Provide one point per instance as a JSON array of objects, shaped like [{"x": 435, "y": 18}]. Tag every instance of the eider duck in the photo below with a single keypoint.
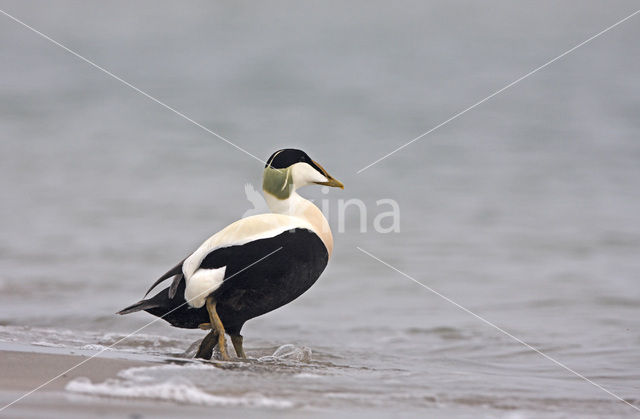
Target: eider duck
[{"x": 253, "y": 265}]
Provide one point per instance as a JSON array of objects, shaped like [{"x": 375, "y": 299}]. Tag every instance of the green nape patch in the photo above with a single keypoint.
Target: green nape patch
[{"x": 278, "y": 182}]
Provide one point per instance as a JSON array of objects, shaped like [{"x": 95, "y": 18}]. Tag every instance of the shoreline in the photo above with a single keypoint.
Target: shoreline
[
  {"x": 26, "y": 370},
  {"x": 24, "y": 367}
]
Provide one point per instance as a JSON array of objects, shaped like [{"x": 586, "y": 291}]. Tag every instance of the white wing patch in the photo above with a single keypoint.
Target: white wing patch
[{"x": 202, "y": 283}]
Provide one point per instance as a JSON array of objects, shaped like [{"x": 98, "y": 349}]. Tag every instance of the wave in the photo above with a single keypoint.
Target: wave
[{"x": 177, "y": 389}]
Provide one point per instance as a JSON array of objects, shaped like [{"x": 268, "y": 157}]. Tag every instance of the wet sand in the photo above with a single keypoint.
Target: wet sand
[
  {"x": 25, "y": 367},
  {"x": 24, "y": 371},
  {"x": 28, "y": 367}
]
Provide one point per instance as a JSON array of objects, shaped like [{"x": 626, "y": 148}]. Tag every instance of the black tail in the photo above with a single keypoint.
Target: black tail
[
  {"x": 175, "y": 310},
  {"x": 140, "y": 305}
]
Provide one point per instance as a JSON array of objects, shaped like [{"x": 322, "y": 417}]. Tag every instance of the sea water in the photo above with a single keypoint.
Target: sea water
[{"x": 524, "y": 210}]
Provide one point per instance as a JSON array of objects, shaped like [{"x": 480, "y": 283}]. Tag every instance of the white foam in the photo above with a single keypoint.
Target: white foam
[
  {"x": 307, "y": 375},
  {"x": 177, "y": 390},
  {"x": 48, "y": 344},
  {"x": 95, "y": 347},
  {"x": 145, "y": 374},
  {"x": 289, "y": 352}
]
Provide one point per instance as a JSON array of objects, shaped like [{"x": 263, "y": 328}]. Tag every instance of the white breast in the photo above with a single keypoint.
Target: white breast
[{"x": 303, "y": 209}]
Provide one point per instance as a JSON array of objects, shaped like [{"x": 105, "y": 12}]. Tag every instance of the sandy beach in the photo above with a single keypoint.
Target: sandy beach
[
  {"x": 24, "y": 371},
  {"x": 26, "y": 367}
]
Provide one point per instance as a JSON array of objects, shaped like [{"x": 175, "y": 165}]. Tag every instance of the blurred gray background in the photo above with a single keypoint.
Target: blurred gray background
[{"x": 524, "y": 210}]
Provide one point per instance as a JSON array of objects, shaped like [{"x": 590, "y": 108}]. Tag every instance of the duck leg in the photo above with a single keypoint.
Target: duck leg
[
  {"x": 217, "y": 326},
  {"x": 237, "y": 345},
  {"x": 205, "y": 351}
]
